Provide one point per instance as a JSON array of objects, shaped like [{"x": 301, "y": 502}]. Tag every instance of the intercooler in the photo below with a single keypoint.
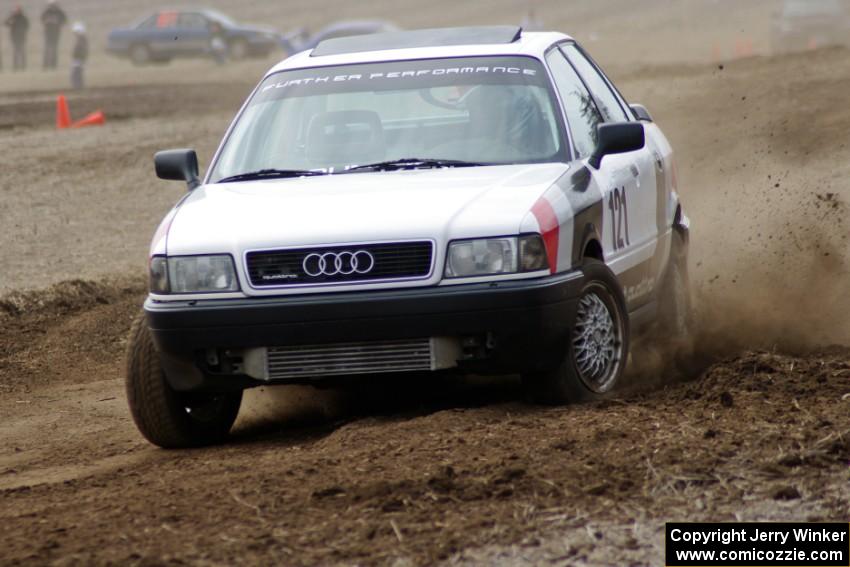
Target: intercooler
[{"x": 315, "y": 361}]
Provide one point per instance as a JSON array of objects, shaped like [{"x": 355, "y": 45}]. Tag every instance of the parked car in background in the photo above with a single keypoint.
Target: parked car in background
[
  {"x": 301, "y": 40},
  {"x": 169, "y": 34},
  {"x": 809, "y": 24}
]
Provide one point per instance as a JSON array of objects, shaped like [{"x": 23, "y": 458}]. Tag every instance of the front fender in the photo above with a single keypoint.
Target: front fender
[{"x": 569, "y": 215}]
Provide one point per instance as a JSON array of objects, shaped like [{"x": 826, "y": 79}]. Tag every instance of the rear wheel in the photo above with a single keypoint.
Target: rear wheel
[
  {"x": 166, "y": 417},
  {"x": 595, "y": 355},
  {"x": 675, "y": 314},
  {"x": 238, "y": 49}
]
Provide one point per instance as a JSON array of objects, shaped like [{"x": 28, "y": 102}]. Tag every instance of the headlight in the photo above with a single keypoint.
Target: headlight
[
  {"x": 193, "y": 274},
  {"x": 159, "y": 275},
  {"x": 491, "y": 256}
]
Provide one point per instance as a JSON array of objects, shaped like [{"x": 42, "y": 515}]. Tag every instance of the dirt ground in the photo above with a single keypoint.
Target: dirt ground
[
  {"x": 454, "y": 473},
  {"x": 459, "y": 473}
]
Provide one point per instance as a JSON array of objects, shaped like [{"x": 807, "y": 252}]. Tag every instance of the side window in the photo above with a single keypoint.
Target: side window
[
  {"x": 581, "y": 111},
  {"x": 166, "y": 20},
  {"x": 609, "y": 105}
]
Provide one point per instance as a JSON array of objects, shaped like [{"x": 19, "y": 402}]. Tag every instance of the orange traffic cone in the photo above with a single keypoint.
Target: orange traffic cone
[
  {"x": 96, "y": 118},
  {"x": 63, "y": 115}
]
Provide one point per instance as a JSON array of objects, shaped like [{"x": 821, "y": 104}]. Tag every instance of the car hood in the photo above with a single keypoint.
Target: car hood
[
  {"x": 436, "y": 204},
  {"x": 119, "y": 31}
]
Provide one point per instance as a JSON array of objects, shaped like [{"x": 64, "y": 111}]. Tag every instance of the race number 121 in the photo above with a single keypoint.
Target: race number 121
[{"x": 619, "y": 217}]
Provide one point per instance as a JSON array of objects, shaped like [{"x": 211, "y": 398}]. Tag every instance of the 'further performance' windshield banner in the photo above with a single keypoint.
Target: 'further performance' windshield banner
[{"x": 415, "y": 74}]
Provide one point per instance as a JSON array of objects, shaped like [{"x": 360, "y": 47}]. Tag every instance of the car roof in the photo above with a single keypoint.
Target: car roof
[{"x": 394, "y": 48}]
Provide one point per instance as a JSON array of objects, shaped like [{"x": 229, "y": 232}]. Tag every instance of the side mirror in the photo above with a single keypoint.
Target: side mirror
[
  {"x": 617, "y": 138},
  {"x": 641, "y": 112},
  {"x": 178, "y": 165}
]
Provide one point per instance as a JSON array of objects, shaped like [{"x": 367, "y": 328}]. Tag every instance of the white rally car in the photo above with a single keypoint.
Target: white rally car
[{"x": 471, "y": 200}]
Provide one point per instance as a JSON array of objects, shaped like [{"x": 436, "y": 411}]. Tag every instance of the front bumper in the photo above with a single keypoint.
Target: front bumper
[{"x": 516, "y": 326}]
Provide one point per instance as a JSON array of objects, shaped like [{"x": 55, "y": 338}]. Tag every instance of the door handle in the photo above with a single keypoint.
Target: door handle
[
  {"x": 659, "y": 163},
  {"x": 635, "y": 171}
]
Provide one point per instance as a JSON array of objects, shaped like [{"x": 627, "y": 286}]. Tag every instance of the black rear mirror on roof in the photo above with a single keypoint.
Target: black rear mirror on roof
[
  {"x": 178, "y": 165},
  {"x": 617, "y": 138}
]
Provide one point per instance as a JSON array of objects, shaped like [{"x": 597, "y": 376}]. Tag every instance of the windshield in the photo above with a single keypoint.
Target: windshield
[{"x": 493, "y": 110}]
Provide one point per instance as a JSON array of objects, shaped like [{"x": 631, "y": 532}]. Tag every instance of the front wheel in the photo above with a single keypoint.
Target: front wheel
[
  {"x": 140, "y": 54},
  {"x": 166, "y": 417},
  {"x": 594, "y": 357}
]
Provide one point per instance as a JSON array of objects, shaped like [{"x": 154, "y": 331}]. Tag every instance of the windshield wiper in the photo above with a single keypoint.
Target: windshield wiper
[
  {"x": 271, "y": 174},
  {"x": 413, "y": 163}
]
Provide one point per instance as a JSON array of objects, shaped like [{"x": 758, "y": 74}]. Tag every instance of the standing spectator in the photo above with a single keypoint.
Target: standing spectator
[
  {"x": 19, "y": 25},
  {"x": 79, "y": 56},
  {"x": 53, "y": 18}
]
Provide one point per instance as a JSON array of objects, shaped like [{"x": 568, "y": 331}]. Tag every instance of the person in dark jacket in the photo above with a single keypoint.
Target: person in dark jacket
[
  {"x": 19, "y": 26},
  {"x": 79, "y": 56},
  {"x": 54, "y": 19}
]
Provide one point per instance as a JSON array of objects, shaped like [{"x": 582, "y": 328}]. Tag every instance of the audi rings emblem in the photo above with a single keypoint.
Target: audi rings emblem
[{"x": 338, "y": 263}]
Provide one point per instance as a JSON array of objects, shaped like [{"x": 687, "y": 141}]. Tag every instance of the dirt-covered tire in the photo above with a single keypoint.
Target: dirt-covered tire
[
  {"x": 595, "y": 355},
  {"x": 675, "y": 304},
  {"x": 166, "y": 417}
]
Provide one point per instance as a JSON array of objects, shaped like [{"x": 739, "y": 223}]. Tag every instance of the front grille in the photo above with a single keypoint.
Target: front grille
[
  {"x": 373, "y": 262},
  {"x": 349, "y": 358}
]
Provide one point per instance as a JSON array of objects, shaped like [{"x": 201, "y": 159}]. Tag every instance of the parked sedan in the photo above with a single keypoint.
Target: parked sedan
[{"x": 168, "y": 34}]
